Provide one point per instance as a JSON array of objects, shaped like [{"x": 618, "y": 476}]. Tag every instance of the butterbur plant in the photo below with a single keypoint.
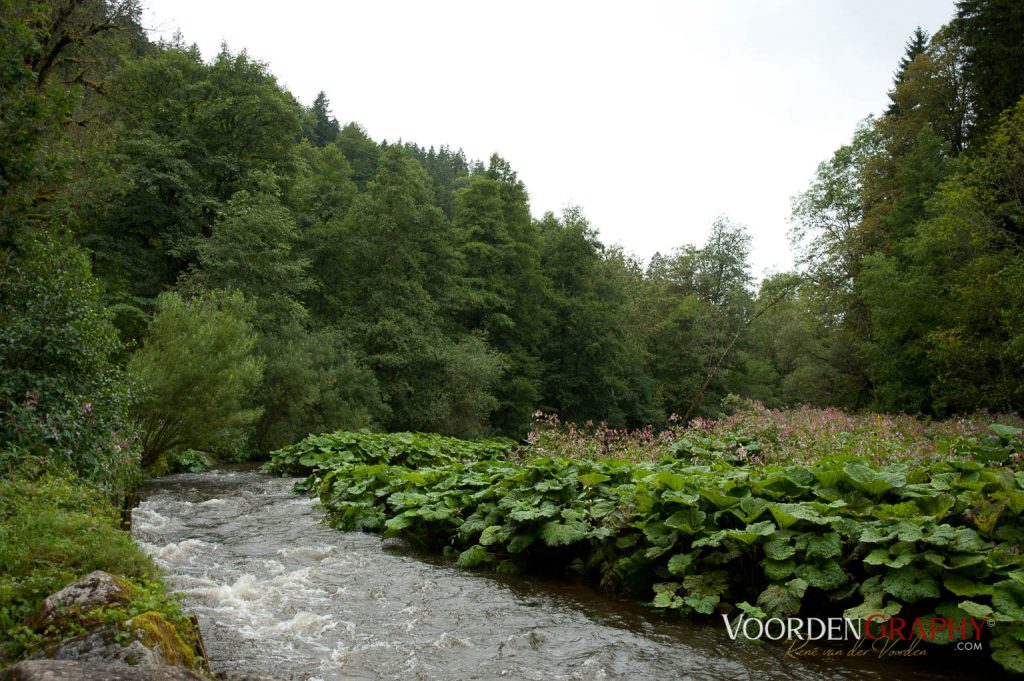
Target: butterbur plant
[{"x": 842, "y": 537}]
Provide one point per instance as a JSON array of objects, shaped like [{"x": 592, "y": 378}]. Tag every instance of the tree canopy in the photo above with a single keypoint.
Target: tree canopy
[{"x": 156, "y": 203}]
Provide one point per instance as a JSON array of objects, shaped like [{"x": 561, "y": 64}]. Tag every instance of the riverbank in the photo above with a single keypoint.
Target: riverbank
[
  {"x": 277, "y": 590},
  {"x": 708, "y": 530},
  {"x": 56, "y": 530}
]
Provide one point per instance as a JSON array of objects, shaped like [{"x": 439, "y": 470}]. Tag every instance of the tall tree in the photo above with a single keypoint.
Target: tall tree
[
  {"x": 993, "y": 31},
  {"x": 830, "y": 247},
  {"x": 362, "y": 153},
  {"x": 311, "y": 379},
  {"x": 319, "y": 126},
  {"x": 58, "y": 349},
  {"x": 398, "y": 270},
  {"x": 196, "y": 371},
  {"x": 503, "y": 291},
  {"x": 969, "y": 260},
  {"x": 916, "y": 45},
  {"x": 699, "y": 349},
  {"x": 591, "y": 367}
]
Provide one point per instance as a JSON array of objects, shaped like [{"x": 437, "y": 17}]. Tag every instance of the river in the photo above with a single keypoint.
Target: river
[{"x": 278, "y": 593}]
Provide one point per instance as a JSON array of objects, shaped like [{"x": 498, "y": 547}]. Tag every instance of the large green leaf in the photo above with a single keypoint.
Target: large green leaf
[
  {"x": 594, "y": 478},
  {"x": 788, "y": 514},
  {"x": 658, "y": 534},
  {"x": 889, "y": 558},
  {"x": 828, "y": 477},
  {"x": 750, "y": 533},
  {"x": 519, "y": 542},
  {"x": 778, "y": 486},
  {"x": 1006, "y": 431},
  {"x": 965, "y": 586},
  {"x": 749, "y": 508},
  {"x": 976, "y": 609},
  {"x": 688, "y": 520},
  {"x": 680, "y": 563},
  {"x": 827, "y": 545},
  {"x": 703, "y": 603},
  {"x": 873, "y": 482},
  {"x": 546, "y": 510},
  {"x": 473, "y": 556},
  {"x": 826, "y": 576},
  {"x": 873, "y": 605},
  {"x": 782, "y": 600},
  {"x": 555, "y": 533},
  {"x": 1007, "y": 649},
  {"x": 718, "y": 498},
  {"x": 495, "y": 534},
  {"x": 779, "y": 546},
  {"x": 399, "y": 522},
  {"x": 680, "y": 497},
  {"x": 1008, "y": 601},
  {"x": 778, "y": 569},
  {"x": 910, "y": 584}
]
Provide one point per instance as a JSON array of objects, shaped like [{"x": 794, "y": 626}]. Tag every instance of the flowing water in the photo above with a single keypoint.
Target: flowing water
[{"x": 280, "y": 594}]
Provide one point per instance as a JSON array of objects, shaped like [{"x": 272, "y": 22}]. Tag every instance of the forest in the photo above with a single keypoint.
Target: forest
[
  {"x": 212, "y": 266},
  {"x": 197, "y": 267}
]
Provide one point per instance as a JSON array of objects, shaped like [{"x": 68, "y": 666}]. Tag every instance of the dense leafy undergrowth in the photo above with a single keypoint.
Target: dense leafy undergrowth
[
  {"x": 843, "y": 536},
  {"x": 54, "y": 529},
  {"x": 399, "y": 449}
]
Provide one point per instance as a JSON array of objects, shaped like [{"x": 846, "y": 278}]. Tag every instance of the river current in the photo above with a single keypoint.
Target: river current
[{"x": 278, "y": 593}]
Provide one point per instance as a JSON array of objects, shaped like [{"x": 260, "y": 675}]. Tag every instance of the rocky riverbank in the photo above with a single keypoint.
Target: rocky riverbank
[{"x": 101, "y": 635}]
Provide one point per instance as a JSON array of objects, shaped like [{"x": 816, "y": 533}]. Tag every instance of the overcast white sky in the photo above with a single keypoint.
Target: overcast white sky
[{"x": 654, "y": 117}]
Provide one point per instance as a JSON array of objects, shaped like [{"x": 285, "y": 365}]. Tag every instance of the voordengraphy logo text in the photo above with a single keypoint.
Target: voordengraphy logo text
[{"x": 837, "y": 629}]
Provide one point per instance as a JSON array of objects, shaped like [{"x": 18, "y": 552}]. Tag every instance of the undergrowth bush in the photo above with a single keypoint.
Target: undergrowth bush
[
  {"x": 405, "y": 449},
  {"x": 55, "y": 529}
]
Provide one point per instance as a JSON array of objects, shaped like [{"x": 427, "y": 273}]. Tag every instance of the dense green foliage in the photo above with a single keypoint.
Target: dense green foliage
[
  {"x": 911, "y": 235},
  {"x": 194, "y": 264},
  {"x": 195, "y": 371},
  {"x": 54, "y": 530},
  {"x": 408, "y": 287},
  {"x": 840, "y": 535},
  {"x": 400, "y": 449}
]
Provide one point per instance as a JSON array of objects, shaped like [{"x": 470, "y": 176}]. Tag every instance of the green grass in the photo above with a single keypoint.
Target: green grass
[{"x": 54, "y": 530}]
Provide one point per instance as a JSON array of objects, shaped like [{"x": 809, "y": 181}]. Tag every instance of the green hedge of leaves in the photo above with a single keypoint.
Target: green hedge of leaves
[{"x": 401, "y": 449}]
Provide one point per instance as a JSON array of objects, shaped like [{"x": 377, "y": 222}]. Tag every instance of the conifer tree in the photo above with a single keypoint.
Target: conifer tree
[{"x": 916, "y": 45}]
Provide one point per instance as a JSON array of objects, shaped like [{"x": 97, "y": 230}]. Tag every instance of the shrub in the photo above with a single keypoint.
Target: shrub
[
  {"x": 840, "y": 536},
  {"x": 61, "y": 398},
  {"x": 196, "y": 370}
]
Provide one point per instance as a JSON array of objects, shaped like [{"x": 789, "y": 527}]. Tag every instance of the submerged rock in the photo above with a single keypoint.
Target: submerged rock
[{"x": 77, "y": 670}]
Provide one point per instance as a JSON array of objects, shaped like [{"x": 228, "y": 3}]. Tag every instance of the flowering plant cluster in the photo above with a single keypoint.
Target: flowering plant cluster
[
  {"x": 754, "y": 434},
  {"x": 85, "y": 439}
]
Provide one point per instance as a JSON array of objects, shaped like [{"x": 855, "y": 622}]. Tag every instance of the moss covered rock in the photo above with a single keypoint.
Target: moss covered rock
[
  {"x": 75, "y": 670},
  {"x": 146, "y": 640},
  {"x": 96, "y": 591},
  {"x": 156, "y": 633}
]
